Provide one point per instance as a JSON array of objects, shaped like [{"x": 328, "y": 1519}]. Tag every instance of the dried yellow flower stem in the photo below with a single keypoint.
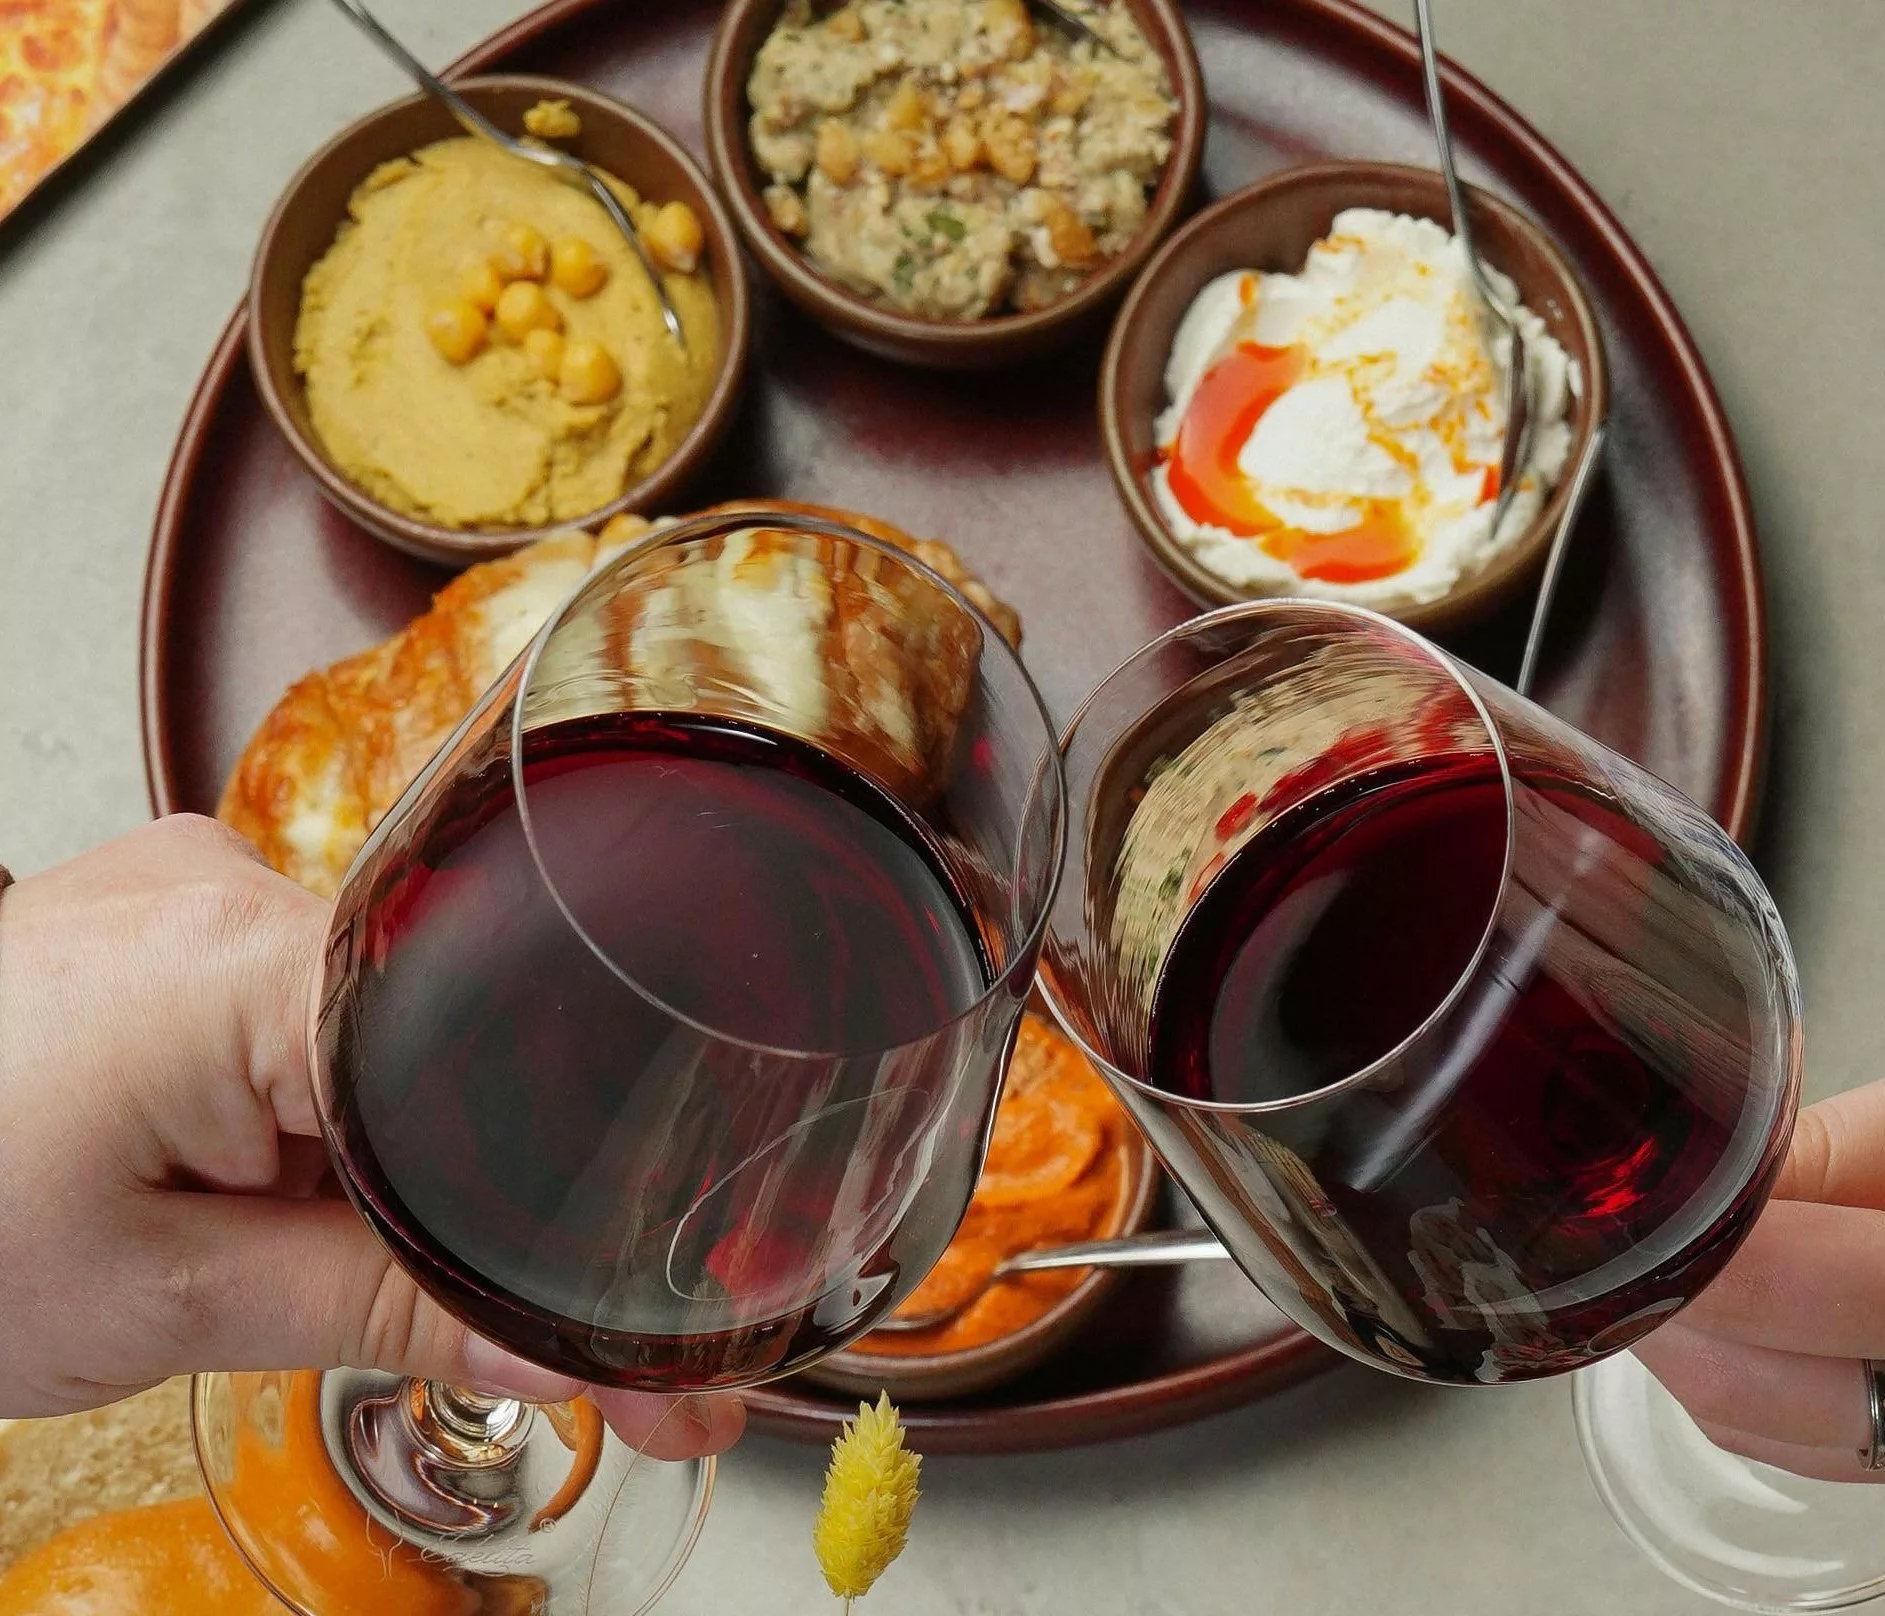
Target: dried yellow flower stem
[{"x": 870, "y": 1495}]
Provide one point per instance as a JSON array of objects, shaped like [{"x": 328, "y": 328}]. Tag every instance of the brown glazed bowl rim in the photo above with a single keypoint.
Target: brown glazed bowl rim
[
  {"x": 456, "y": 546},
  {"x": 1354, "y": 184},
  {"x": 724, "y": 116},
  {"x": 973, "y": 1369}
]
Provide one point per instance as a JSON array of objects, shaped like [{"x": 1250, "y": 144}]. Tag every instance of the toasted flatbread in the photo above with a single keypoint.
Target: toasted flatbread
[{"x": 341, "y": 745}]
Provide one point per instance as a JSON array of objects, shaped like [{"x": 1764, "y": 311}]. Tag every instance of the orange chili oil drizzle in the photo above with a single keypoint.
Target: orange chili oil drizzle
[
  {"x": 1058, "y": 1171},
  {"x": 1211, "y": 488}
]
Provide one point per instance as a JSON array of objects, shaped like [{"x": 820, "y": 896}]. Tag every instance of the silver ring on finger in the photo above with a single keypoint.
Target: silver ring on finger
[{"x": 1873, "y": 1456}]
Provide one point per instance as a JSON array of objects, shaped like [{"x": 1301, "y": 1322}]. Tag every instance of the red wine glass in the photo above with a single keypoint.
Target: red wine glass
[
  {"x": 659, "y": 1038},
  {"x": 1477, "y": 1046}
]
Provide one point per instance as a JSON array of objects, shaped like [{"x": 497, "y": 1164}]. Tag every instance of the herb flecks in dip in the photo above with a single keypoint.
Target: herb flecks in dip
[
  {"x": 480, "y": 347},
  {"x": 953, "y": 159},
  {"x": 1337, "y": 432}
]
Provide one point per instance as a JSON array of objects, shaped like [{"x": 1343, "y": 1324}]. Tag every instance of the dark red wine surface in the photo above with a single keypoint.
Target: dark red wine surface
[
  {"x": 1545, "y": 1169},
  {"x": 537, "y": 1121}
]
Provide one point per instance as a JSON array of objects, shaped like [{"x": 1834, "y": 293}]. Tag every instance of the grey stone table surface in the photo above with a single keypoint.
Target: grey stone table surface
[{"x": 1739, "y": 142}]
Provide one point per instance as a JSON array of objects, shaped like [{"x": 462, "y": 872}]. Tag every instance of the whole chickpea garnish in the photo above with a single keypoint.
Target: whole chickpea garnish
[
  {"x": 522, "y": 253},
  {"x": 523, "y": 309},
  {"x": 675, "y": 238},
  {"x": 577, "y": 268},
  {"x": 545, "y": 349},
  {"x": 457, "y": 330},
  {"x": 589, "y": 375},
  {"x": 480, "y": 285}
]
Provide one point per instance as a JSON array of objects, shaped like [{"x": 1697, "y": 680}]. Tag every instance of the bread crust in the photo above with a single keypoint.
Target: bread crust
[
  {"x": 55, "y": 1473},
  {"x": 340, "y": 746}
]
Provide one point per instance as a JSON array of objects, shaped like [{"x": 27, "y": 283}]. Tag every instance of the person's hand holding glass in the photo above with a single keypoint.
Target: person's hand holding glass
[
  {"x": 658, "y": 1037},
  {"x": 1478, "y": 1046}
]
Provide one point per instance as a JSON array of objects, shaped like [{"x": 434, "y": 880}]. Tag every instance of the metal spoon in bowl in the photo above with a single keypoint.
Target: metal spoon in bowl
[
  {"x": 1496, "y": 318},
  {"x": 1071, "y": 20},
  {"x": 560, "y": 163},
  {"x": 1159, "y": 1249},
  {"x": 1520, "y": 394}
]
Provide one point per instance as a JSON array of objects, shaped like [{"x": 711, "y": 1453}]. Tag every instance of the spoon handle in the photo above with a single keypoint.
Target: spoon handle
[
  {"x": 1495, "y": 317},
  {"x": 1131, "y": 1251},
  {"x": 1070, "y": 19},
  {"x": 473, "y": 120},
  {"x": 1443, "y": 139},
  {"x": 1554, "y": 562}
]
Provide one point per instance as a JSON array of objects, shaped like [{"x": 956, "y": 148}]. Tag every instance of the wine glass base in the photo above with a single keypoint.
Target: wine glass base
[
  {"x": 355, "y": 1490},
  {"x": 1742, "y": 1533}
]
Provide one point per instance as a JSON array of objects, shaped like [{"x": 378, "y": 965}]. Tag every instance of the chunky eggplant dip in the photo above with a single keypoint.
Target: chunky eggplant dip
[{"x": 952, "y": 159}]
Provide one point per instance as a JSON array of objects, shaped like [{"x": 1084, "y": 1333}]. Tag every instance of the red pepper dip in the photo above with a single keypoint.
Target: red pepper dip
[{"x": 1059, "y": 1170}]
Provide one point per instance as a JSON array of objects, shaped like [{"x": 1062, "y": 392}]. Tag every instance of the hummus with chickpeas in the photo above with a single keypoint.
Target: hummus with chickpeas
[
  {"x": 480, "y": 347},
  {"x": 953, "y": 159}
]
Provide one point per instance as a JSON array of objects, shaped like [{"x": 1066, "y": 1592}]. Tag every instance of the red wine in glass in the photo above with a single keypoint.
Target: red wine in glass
[
  {"x": 658, "y": 1033},
  {"x": 1507, "y": 1199},
  {"x": 1476, "y": 1044},
  {"x": 521, "y": 1105}
]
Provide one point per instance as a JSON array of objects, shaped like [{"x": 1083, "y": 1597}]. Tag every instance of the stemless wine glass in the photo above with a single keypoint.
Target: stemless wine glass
[
  {"x": 1476, "y": 1045},
  {"x": 659, "y": 1038}
]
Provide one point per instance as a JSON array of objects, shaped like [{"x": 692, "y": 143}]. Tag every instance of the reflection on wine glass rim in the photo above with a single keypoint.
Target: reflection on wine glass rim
[
  {"x": 1282, "y": 610},
  {"x": 1046, "y": 792}
]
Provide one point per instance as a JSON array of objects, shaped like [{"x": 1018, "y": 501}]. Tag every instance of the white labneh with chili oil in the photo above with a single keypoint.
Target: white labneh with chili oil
[{"x": 1337, "y": 433}]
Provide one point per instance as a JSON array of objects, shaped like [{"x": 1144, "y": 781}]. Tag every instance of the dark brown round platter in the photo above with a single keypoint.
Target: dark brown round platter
[{"x": 1658, "y": 645}]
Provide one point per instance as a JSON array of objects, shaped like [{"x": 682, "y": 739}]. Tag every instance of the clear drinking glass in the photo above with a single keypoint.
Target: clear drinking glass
[
  {"x": 659, "y": 1038},
  {"x": 1477, "y": 1046},
  {"x": 1743, "y": 1533}
]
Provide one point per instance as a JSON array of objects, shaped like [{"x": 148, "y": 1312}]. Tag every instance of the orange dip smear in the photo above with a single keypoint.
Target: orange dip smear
[
  {"x": 1212, "y": 489},
  {"x": 1057, "y": 1172},
  {"x": 176, "y": 1560},
  {"x": 163, "y": 1560},
  {"x": 312, "y": 1531}
]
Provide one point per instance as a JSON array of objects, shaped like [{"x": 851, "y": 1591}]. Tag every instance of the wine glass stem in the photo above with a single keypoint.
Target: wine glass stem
[
  {"x": 440, "y": 1457},
  {"x": 466, "y": 1425}
]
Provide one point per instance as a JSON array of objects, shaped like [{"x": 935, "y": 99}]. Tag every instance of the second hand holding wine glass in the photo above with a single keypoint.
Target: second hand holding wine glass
[
  {"x": 1478, "y": 1046},
  {"x": 659, "y": 1037}
]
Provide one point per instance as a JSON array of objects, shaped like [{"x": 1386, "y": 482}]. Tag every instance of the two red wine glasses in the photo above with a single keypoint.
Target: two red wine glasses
[{"x": 663, "y": 1019}]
